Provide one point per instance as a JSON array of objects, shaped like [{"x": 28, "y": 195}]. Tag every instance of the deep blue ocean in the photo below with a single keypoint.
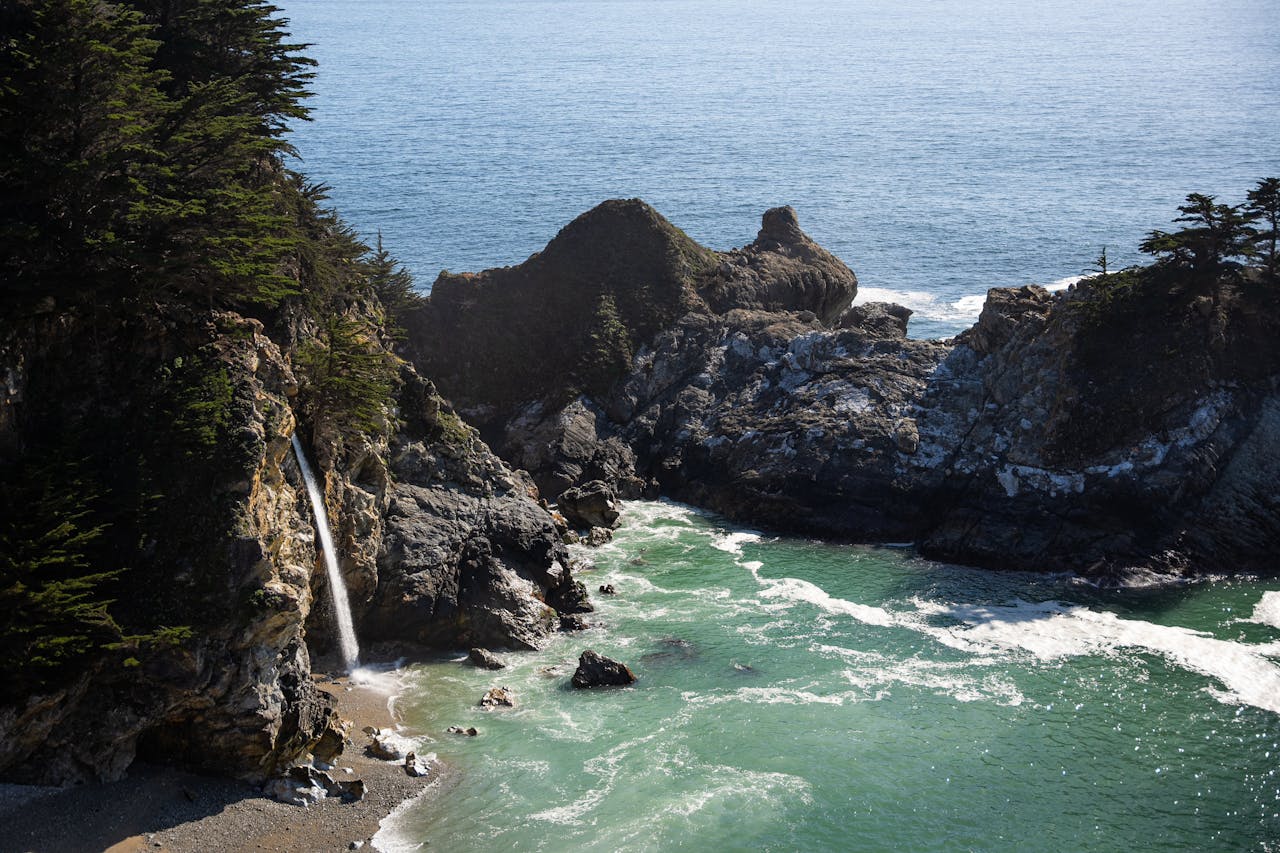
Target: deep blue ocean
[{"x": 939, "y": 147}]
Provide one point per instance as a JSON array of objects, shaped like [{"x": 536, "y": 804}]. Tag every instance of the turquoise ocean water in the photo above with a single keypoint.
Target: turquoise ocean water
[
  {"x": 800, "y": 696},
  {"x": 940, "y": 147}
]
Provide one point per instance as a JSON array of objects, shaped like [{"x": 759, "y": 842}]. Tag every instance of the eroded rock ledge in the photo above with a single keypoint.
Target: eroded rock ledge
[{"x": 1071, "y": 431}]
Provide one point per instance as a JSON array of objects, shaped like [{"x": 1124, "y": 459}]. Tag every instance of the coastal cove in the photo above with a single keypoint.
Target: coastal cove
[
  {"x": 308, "y": 545},
  {"x": 798, "y": 695}
]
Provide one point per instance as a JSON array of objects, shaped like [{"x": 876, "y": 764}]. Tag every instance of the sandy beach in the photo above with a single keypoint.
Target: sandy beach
[{"x": 165, "y": 809}]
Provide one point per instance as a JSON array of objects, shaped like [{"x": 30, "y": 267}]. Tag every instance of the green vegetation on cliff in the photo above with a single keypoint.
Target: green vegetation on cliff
[{"x": 143, "y": 196}]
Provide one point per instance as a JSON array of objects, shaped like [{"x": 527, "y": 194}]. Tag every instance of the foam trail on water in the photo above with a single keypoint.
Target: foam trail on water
[
  {"x": 347, "y": 644},
  {"x": 1052, "y": 630}
]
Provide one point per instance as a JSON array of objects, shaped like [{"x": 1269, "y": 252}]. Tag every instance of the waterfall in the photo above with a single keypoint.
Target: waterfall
[{"x": 337, "y": 587}]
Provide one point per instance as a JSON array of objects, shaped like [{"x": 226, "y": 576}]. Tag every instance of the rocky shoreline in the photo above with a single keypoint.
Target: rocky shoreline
[{"x": 1130, "y": 422}]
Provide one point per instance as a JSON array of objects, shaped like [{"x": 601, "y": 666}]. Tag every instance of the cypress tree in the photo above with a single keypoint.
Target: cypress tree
[{"x": 1263, "y": 205}]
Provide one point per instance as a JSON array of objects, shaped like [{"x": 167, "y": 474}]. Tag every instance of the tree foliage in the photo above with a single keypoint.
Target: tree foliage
[
  {"x": 1263, "y": 205},
  {"x": 53, "y": 611},
  {"x": 392, "y": 284},
  {"x": 143, "y": 148},
  {"x": 140, "y": 147},
  {"x": 349, "y": 376},
  {"x": 1215, "y": 235}
]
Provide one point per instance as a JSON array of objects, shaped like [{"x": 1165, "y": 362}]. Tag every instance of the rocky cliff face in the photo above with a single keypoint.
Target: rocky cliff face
[
  {"x": 440, "y": 542},
  {"x": 609, "y": 281},
  {"x": 1085, "y": 431}
]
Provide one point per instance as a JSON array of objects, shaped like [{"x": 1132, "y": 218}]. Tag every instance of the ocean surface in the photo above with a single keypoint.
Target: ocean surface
[
  {"x": 794, "y": 695},
  {"x": 940, "y": 147}
]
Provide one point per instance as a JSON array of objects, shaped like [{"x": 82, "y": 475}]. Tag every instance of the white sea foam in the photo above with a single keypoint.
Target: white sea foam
[
  {"x": 1267, "y": 611},
  {"x": 731, "y": 543},
  {"x": 927, "y": 305},
  {"x": 1064, "y": 283},
  {"x": 1051, "y": 630},
  {"x": 875, "y": 675},
  {"x": 393, "y": 833},
  {"x": 767, "y": 696},
  {"x": 606, "y": 767},
  {"x": 791, "y": 591}
]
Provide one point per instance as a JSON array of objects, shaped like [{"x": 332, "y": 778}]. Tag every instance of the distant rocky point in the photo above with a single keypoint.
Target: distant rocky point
[{"x": 1089, "y": 431}]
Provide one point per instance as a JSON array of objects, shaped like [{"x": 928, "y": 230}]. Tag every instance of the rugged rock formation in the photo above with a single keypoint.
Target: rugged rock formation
[
  {"x": 484, "y": 659},
  {"x": 1114, "y": 425},
  {"x": 592, "y": 504},
  {"x": 235, "y": 562},
  {"x": 440, "y": 542},
  {"x": 609, "y": 281}
]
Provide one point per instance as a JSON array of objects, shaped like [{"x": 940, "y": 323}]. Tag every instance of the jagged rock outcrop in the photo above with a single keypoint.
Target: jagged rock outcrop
[
  {"x": 1112, "y": 425},
  {"x": 609, "y": 281},
  {"x": 596, "y": 670},
  {"x": 593, "y": 504},
  {"x": 229, "y": 554},
  {"x": 467, "y": 557}
]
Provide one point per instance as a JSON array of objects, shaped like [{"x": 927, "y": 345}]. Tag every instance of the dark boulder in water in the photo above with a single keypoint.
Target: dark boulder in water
[
  {"x": 485, "y": 659},
  {"x": 573, "y": 622},
  {"x": 596, "y": 670}
]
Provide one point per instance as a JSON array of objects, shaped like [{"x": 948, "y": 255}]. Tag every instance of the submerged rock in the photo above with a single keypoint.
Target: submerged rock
[
  {"x": 596, "y": 670},
  {"x": 471, "y": 731}
]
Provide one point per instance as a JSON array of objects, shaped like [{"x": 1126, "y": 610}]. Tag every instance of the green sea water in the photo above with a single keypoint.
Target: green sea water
[{"x": 794, "y": 695}]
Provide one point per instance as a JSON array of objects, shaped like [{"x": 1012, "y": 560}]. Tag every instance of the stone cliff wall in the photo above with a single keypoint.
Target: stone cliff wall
[{"x": 440, "y": 542}]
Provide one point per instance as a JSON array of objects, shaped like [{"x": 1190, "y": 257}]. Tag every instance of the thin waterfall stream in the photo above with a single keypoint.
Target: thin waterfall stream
[{"x": 347, "y": 644}]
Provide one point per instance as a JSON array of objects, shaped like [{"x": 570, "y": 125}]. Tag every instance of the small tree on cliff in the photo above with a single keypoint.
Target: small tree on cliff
[
  {"x": 350, "y": 377},
  {"x": 1099, "y": 263},
  {"x": 393, "y": 285},
  {"x": 1215, "y": 234},
  {"x": 1263, "y": 205}
]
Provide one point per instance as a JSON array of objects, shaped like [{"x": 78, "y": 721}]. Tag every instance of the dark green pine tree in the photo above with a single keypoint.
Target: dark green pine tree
[
  {"x": 349, "y": 378},
  {"x": 1215, "y": 234},
  {"x": 1263, "y": 205},
  {"x": 392, "y": 284},
  {"x": 235, "y": 83},
  {"x": 80, "y": 106},
  {"x": 53, "y": 615}
]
